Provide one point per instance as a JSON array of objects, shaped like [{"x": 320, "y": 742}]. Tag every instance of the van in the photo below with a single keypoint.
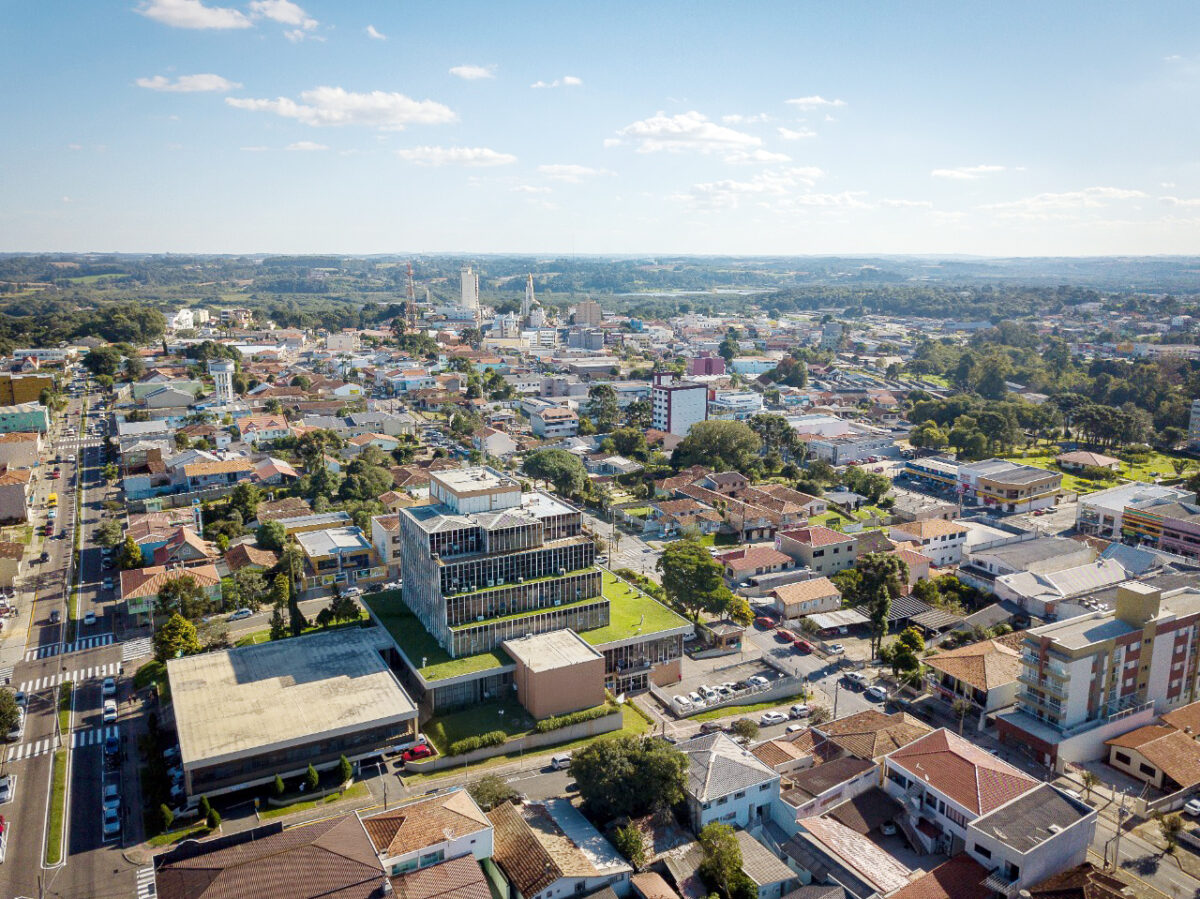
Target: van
[{"x": 561, "y": 762}]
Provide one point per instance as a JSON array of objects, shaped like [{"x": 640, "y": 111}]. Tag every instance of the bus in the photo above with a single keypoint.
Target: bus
[{"x": 52, "y": 499}]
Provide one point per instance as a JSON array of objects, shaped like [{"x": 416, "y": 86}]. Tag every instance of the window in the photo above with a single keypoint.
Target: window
[
  {"x": 1148, "y": 770},
  {"x": 982, "y": 850},
  {"x": 1123, "y": 758},
  {"x": 741, "y": 795},
  {"x": 762, "y": 788},
  {"x": 722, "y": 800}
]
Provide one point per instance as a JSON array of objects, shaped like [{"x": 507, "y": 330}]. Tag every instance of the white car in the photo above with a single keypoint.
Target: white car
[
  {"x": 681, "y": 702},
  {"x": 770, "y": 718},
  {"x": 240, "y": 614},
  {"x": 8, "y": 786},
  {"x": 795, "y": 728},
  {"x": 352, "y": 591},
  {"x": 108, "y": 687},
  {"x": 112, "y": 796},
  {"x": 836, "y": 649},
  {"x": 17, "y": 732},
  {"x": 799, "y": 711},
  {"x": 1192, "y": 808},
  {"x": 695, "y": 698},
  {"x": 876, "y": 693},
  {"x": 110, "y": 711},
  {"x": 757, "y": 681}
]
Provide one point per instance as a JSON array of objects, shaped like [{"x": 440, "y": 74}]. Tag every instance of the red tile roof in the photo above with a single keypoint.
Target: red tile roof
[
  {"x": 961, "y": 771},
  {"x": 959, "y": 878},
  {"x": 817, "y": 536}
]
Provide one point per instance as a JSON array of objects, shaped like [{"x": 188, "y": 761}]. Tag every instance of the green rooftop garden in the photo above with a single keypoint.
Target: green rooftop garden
[
  {"x": 631, "y": 612},
  {"x": 417, "y": 643}
]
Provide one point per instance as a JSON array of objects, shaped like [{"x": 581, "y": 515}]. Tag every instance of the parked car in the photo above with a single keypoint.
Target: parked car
[
  {"x": 783, "y": 635},
  {"x": 8, "y": 784},
  {"x": 769, "y": 718},
  {"x": 765, "y": 622},
  {"x": 888, "y": 828},
  {"x": 15, "y": 734},
  {"x": 111, "y": 823},
  {"x": 561, "y": 761},
  {"x": 682, "y": 703},
  {"x": 352, "y": 591},
  {"x": 240, "y": 614},
  {"x": 803, "y": 646},
  {"x": 795, "y": 728},
  {"x": 835, "y": 649},
  {"x": 695, "y": 698},
  {"x": 877, "y": 693},
  {"x": 112, "y": 795},
  {"x": 709, "y": 727},
  {"x": 757, "y": 681},
  {"x": 422, "y": 751},
  {"x": 108, "y": 687},
  {"x": 799, "y": 711},
  {"x": 89, "y": 617},
  {"x": 112, "y": 748},
  {"x": 107, "y": 584},
  {"x": 1192, "y": 808},
  {"x": 110, "y": 711}
]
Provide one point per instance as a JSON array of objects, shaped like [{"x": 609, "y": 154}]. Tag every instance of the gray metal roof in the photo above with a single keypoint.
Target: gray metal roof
[
  {"x": 717, "y": 766},
  {"x": 1032, "y": 819}
]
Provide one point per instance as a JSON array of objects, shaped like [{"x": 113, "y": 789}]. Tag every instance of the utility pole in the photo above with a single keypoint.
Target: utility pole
[
  {"x": 837, "y": 689},
  {"x": 1116, "y": 863}
]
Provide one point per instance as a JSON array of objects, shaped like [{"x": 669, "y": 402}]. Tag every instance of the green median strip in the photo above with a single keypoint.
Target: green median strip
[
  {"x": 64, "y": 709},
  {"x": 58, "y": 805}
]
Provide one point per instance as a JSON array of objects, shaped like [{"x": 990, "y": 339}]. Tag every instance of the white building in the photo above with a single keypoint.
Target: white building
[
  {"x": 1101, "y": 514},
  {"x": 469, "y": 286},
  {"x": 677, "y": 405},
  {"x": 735, "y": 404},
  {"x": 942, "y": 541},
  {"x": 181, "y": 320},
  {"x": 838, "y": 441},
  {"x": 429, "y": 831},
  {"x": 727, "y": 784}
]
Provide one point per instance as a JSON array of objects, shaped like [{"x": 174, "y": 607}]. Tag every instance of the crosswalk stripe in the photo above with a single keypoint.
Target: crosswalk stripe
[{"x": 146, "y": 887}]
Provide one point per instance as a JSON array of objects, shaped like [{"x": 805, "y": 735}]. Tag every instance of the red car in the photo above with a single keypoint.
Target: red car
[
  {"x": 803, "y": 646},
  {"x": 417, "y": 752},
  {"x": 785, "y": 636},
  {"x": 764, "y": 622}
]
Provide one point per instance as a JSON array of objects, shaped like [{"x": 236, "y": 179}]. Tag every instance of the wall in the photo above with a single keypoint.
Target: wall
[{"x": 1059, "y": 853}]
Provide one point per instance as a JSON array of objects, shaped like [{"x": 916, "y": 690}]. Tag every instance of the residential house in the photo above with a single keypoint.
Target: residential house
[
  {"x": 288, "y": 507},
  {"x": 1157, "y": 754},
  {"x": 383, "y": 442},
  {"x": 675, "y": 517},
  {"x": 273, "y": 472},
  {"x": 726, "y": 783},
  {"x": 385, "y": 537},
  {"x": 984, "y": 674},
  {"x": 872, "y": 734},
  {"x": 341, "y": 556},
  {"x": 816, "y": 789},
  {"x": 747, "y": 561},
  {"x": 795, "y": 601},
  {"x": 548, "y": 848},
  {"x": 551, "y": 422},
  {"x": 222, "y": 473},
  {"x": 960, "y": 877},
  {"x": 456, "y": 878},
  {"x": 772, "y": 879},
  {"x": 16, "y": 487},
  {"x": 492, "y": 442},
  {"x": 822, "y": 549},
  {"x": 140, "y": 587},
  {"x": 1079, "y": 460},
  {"x": 258, "y": 429},
  {"x": 185, "y": 548},
  {"x": 726, "y": 483},
  {"x": 248, "y": 555},
  {"x": 942, "y": 541},
  {"x": 20, "y": 449},
  {"x": 429, "y": 831}
]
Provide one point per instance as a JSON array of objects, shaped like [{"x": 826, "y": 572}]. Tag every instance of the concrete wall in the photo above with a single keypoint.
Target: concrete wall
[
  {"x": 560, "y": 690},
  {"x": 1059, "y": 853}
]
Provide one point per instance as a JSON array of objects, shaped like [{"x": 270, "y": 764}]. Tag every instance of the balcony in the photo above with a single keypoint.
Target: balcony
[
  {"x": 1000, "y": 882},
  {"x": 1045, "y": 684}
]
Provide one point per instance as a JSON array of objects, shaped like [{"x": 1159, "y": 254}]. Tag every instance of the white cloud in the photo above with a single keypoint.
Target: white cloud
[
  {"x": 1088, "y": 198},
  {"x": 572, "y": 174},
  {"x": 285, "y": 12},
  {"x": 1176, "y": 201},
  {"x": 907, "y": 204},
  {"x": 186, "y": 84},
  {"x": 192, "y": 14},
  {"x": 728, "y": 192},
  {"x": 790, "y": 134},
  {"x": 737, "y": 119},
  {"x": 692, "y": 131},
  {"x": 847, "y": 199},
  {"x": 337, "y": 106},
  {"x": 473, "y": 73},
  {"x": 565, "y": 81},
  {"x": 967, "y": 172},
  {"x": 75, "y": 147},
  {"x": 530, "y": 189},
  {"x": 475, "y": 157},
  {"x": 814, "y": 102},
  {"x": 375, "y": 33},
  {"x": 306, "y": 146}
]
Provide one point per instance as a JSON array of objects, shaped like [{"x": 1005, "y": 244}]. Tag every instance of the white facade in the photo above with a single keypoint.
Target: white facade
[
  {"x": 735, "y": 404},
  {"x": 222, "y": 375},
  {"x": 469, "y": 288},
  {"x": 677, "y": 405}
]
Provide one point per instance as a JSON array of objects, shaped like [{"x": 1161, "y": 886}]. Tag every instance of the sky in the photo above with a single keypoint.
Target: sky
[{"x": 315, "y": 126}]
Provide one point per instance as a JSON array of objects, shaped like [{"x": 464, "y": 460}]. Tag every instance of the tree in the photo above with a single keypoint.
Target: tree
[
  {"x": 245, "y": 498},
  {"x": 629, "y": 776},
  {"x": 631, "y": 844},
  {"x": 183, "y": 595},
  {"x": 278, "y": 787},
  {"x": 271, "y": 535},
  {"x": 557, "y": 467},
  {"x": 774, "y": 432},
  {"x": 130, "y": 554},
  {"x": 134, "y": 367},
  {"x": 311, "y": 778},
  {"x": 103, "y": 360},
  {"x": 1170, "y": 826},
  {"x": 729, "y": 345},
  {"x": 166, "y": 816},
  {"x": 721, "y": 445},
  {"x": 110, "y": 533},
  {"x": 1090, "y": 779},
  {"x": 878, "y": 607},
  {"x": 744, "y": 728},
  {"x": 961, "y": 708},
  {"x": 490, "y": 791},
  {"x": 278, "y": 624},
  {"x": 630, "y": 443},
  {"x": 602, "y": 406},
  {"x": 110, "y": 472},
  {"x": 639, "y": 413},
  {"x": 345, "y": 770},
  {"x": 740, "y": 612},
  {"x": 721, "y": 867},
  {"x": 693, "y": 579},
  {"x": 250, "y": 587},
  {"x": 280, "y": 590},
  {"x": 176, "y": 637},
  {"x": 213, "y": 819},
  {"x": 10, "y": 712}
]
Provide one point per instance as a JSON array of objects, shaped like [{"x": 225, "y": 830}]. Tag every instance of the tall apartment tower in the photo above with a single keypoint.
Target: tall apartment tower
[
  {"x": 527, "y": 306},
  {"x": 588, "y": 312},
  {"x": 1194, "y": 426},
  {"x": 677, "y": 405},
  {"x": 470, "y": 288},
  {"x": 222, "y": 375}
]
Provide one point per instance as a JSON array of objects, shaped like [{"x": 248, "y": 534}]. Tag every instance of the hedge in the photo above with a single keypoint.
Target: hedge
[
  {"x": 554, "y": 722},
  {"x": 479, "y": 741}
]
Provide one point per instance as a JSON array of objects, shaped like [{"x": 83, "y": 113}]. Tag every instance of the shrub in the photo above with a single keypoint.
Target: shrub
[
  {"x": 203, "y": 807},
  {"x": 631, "y": 844},
  {"x": 311, "y": 778},
  {"x": 278, "y": 786},
  {"x": 345, "y": 769},
  {"x": 479, "y": 741},
  {"x": 556, "y": 722},
  {"x": 213, "y": 819},
  {"x": 168, "y": 816}
]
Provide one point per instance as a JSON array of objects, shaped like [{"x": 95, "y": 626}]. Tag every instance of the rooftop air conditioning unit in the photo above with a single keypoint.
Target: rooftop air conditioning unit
[
  {"x": 557, "y": 602},
  {"x": 561, "y": 572},
  {"x": 499, "y": 582}
]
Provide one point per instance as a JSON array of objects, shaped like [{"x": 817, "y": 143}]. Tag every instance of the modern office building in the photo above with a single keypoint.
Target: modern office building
[
  {"x": 1088, "y": 678},
  {"x": 1008, "y": 486},
  {"x": 469, "y": 288},
  {"x": 29, "y": 416},
  {"x": 677, "y": 405}
]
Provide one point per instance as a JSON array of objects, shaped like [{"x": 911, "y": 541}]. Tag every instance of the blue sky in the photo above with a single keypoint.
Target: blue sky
[{"x": 667, "y": 127}]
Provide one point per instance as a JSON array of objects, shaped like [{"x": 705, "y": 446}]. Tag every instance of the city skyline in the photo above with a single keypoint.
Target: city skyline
[{"x": 274, "y": 126}]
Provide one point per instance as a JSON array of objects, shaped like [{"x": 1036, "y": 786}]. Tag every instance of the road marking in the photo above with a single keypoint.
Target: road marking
[
  {"x": 146, "y": 888},
  {"x": 136, "y": 649}
]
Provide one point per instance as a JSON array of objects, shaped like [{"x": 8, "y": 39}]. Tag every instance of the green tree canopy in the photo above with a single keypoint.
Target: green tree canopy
[
  {"x": 693, "y": 579},
  {"x": 176, "y": 637},
  {"x": 558, "y": 467},
  {"x": 271, "y": 535},
  {"x": 629, "y": 776},
  {"x": 719, "y": 445}
]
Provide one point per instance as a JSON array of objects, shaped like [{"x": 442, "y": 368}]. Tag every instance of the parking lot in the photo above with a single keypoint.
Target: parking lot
[{"x": 732, "y": 680}]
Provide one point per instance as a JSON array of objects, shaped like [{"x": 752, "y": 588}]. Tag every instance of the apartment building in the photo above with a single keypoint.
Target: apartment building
[
  {"x": 822, "y": 549},
  {"x": 1008, "y": 486},
  {"x": 553, "y": 422},
  {"x": 385, "y": 537},
  {"x": 677, "y": 405},
  {"x": 1089, "y": 678},
  {"x": 942, "y": 541},
  {"x": 339, "y": 556}
]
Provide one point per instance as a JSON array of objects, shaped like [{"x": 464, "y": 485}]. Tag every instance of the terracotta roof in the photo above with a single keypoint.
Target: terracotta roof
[
  {"x": 457, "y": 878},
  {"x": 930, "y": 528},
  {"x": 975, "y": 779},
  {"x": 959, "y": 878},
  {"x": 984, "y": 665},
  {"x": 138, "y": 582},
  {"x": 871, "y": 734},
  {"x": 873, "y": 865},
  {"x": 223, "y": 466},
  {"x": 246, "y": 554},
  {"x": 1174, "y": 753},
  {"x": 817, "y": 536},
  {"x": 803, "y": 591},
  {"x": 424, "y": 823},
  {"x": 288, "y": 507},
  {"x": 331, "y": 859},
  {"x": 1139, "y": 736},
  {"x": 15, "y": 476},
  {"x": 11, "y": 550},
  {"x": 1082, "y": 457},
  {"x": 1185, "y": 718},
  {"x": 652, "y": 886},
  {"x": 262, "y": 423},
  {"x": 518, "y": 853},
  {"x": 1084, "y": 881},
  {"x": 19, "y": 437},
  {"x": 753, "y": 557}
]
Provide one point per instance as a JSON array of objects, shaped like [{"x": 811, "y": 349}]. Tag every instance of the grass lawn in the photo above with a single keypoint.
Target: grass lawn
[
  {"x": 479, "y": 719},
  {"x": 253, "y": 639},
  {"x": 633, "y": 725},
  {"x": 747, "y": 709},
  {"x": 20, "y": 534},
  {"x": 637, "y": 511},
  {"x": 1157, "y": 466},
  {"x": 354, "y": 791},
  {"x": 631, "y": 612},
  {"x": 418, "y": 644},
  {"x": 58, "y": 804},
  {"x": 64, "y": 708},
  {"x": 719, "y": 540},
  {"x": 191, "y": 832},
  {"x": 264, "y": 636}
]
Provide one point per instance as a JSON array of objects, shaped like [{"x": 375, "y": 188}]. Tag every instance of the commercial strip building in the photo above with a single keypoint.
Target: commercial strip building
[
  {"x": 248, "y": 714},
  {"x": 838, "y": 441},
  {"x": 31, "y": 416},
  {"x": 1090, "y": 678},
  {"x": 1008, "y": 487}
]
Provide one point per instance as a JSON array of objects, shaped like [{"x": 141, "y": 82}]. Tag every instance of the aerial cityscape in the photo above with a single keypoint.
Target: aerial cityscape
[{"x": 663, "y": 451}]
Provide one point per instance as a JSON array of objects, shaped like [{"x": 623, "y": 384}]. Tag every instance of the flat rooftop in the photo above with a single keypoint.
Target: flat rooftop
[
  {"x": 632, "y": 613},
  {"x": 249, "y": 700},
  {"x": 550, "y": 651},
  {"x": 332, "y": 541},
  {"x": 471, "y": 481}
]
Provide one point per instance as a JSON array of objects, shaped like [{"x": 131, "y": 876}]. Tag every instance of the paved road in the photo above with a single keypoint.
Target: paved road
[
  {"x": 630, "y": 552},
  {"x": 1144, "y": 861}
]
